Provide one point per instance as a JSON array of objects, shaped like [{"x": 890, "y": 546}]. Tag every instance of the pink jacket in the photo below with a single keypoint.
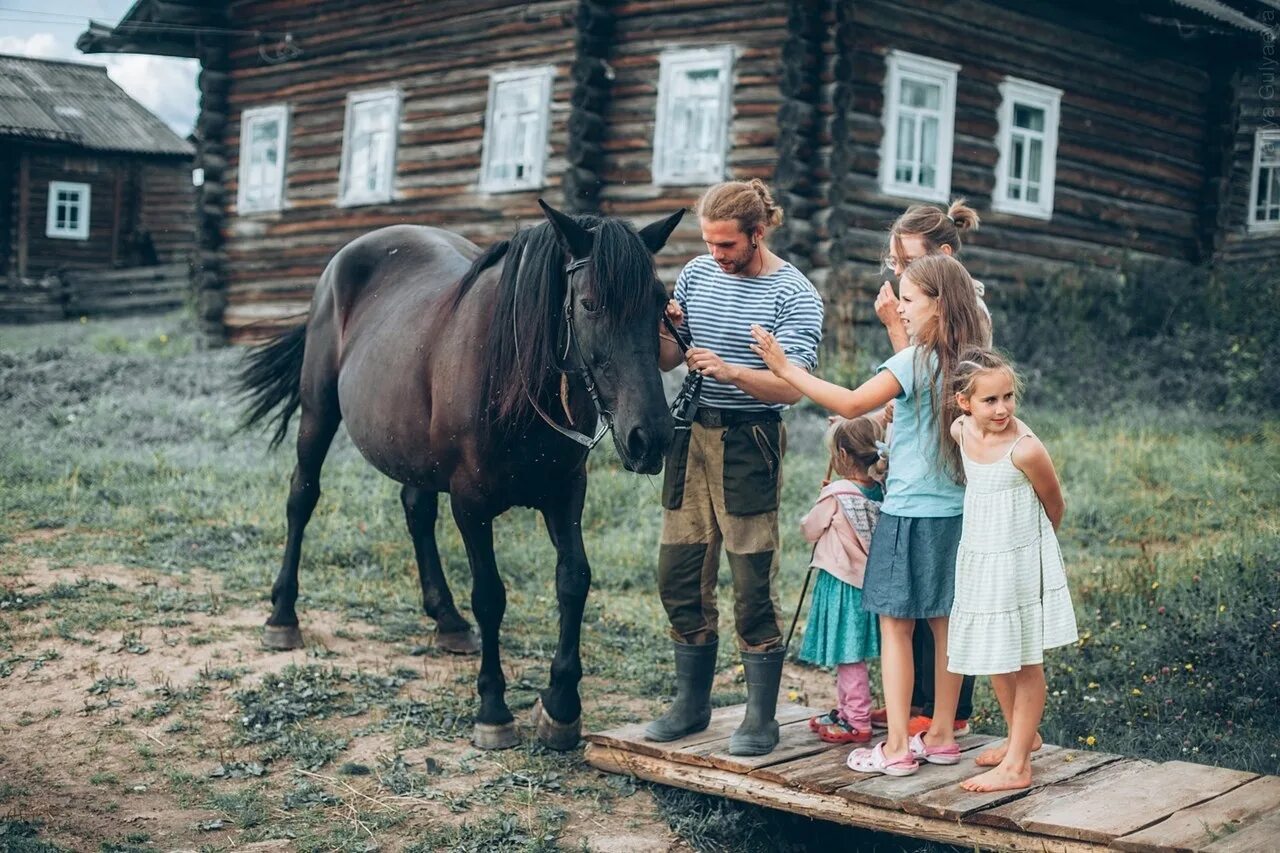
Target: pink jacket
[{"x": 841, "y": 522}]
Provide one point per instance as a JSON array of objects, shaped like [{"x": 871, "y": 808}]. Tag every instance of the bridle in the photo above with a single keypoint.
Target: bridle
[{"x": 567, "y": 346}]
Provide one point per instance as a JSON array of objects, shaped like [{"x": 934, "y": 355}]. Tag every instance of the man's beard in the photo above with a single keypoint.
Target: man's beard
[{"x": 739, "y": 265}]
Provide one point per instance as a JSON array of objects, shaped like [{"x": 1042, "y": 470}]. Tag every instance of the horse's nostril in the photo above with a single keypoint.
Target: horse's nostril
[{"x": 637, "y": 443}]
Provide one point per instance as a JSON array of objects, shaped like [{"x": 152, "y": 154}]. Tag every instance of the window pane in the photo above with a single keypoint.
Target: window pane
[
  {"x": 914, "y": 93},
  {"x": 1270, "y": 152},
  {"x": 1032, "y": 118},
  {"x": 905, "y": 166},
  {"x": 929, "y": 152},
  {"x": 73, "y": 217},
  {"x": 1035, "y": 161}
]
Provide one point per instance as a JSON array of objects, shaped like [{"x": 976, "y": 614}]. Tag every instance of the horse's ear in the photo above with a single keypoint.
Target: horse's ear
[
  {"x": 575, "y": 239},
  {"x": 655, "y": 234}
]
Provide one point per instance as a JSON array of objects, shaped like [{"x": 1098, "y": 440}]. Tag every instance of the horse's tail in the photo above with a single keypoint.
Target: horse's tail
[{"x": 271, "y": 376}]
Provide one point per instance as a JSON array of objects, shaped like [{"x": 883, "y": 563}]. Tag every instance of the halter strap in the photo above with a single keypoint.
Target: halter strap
[{"x": 604, "y": 421}]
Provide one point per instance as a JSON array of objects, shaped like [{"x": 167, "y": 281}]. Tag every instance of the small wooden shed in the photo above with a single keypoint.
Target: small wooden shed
[{"x": 91, "y": 185}]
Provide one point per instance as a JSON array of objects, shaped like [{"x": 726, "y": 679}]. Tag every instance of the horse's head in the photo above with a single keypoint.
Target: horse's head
[{"x": 613, "y": 304}]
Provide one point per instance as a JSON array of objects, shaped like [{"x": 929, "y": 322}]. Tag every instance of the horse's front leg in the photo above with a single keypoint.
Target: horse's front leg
[
  {"x": 495, "y": 727},
  {"x": 558, "y": 716}
]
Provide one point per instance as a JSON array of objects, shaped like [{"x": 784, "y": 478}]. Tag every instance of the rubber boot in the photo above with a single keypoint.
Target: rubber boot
[
  {"x": 758, "y": 734},
  {"x": 691, "y": 710}
]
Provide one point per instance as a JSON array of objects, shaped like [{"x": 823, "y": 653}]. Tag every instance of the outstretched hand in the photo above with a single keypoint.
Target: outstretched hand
[
  {"x": 887, "y": 306},
  {"x": 770, "y": 351}
]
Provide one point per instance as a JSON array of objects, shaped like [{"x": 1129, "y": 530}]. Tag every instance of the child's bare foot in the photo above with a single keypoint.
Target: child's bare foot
[
  {"x": 993, "y": 756},
  {"x": 999, "y": 778}
]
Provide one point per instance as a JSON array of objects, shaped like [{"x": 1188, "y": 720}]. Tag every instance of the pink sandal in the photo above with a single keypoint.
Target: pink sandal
[
  {"x": 873, "y": 760},
  {"x": 948, "y": 754}
]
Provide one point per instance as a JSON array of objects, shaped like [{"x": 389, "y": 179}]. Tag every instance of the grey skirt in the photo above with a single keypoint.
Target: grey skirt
[{"x": 911, "y": 569}]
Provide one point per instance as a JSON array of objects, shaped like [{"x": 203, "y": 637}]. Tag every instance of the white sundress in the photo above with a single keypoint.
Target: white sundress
[{"x": 1011, "y": 599}]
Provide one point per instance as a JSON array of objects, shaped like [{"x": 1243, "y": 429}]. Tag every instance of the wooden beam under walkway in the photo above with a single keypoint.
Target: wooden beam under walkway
[{"x": 1079, "y": 801}]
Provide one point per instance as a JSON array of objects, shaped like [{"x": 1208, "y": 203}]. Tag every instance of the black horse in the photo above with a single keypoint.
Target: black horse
[{"x": 484, "y": 375}]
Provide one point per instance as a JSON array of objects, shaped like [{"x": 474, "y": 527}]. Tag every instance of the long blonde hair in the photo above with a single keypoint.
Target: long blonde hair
[{"x": 957, "y": 324}]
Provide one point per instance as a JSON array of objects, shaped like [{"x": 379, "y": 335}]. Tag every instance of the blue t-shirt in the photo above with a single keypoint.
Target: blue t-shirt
[{"x": 917, "y": 486}]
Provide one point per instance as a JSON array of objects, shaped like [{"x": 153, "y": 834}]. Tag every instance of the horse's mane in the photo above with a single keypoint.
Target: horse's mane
[{"x": 521, "y": 346}]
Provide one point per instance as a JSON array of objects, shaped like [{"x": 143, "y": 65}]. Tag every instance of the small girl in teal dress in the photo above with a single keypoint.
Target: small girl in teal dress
[{"x": 839, "y": 632}]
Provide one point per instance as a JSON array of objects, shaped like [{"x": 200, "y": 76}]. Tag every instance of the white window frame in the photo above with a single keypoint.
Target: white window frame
[
  {"x": 541, "y": 77},
  {"x": 51, "y": 228},
  {"x": 275, "y": 186},
  {"x": 900, "y": 66},
  {"x": 1012, "y": 92},
  {"x": 670, "y": 64},
  {"x": 1255, "y": 225},
  {"x": 347, "y": 196}
]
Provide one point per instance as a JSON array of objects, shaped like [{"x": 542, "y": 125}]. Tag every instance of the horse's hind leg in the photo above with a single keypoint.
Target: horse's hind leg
[
  {"x": 316, "y": 429},
  {"x": 453, "y": 632},
  {"x": 558, "y": 714}
]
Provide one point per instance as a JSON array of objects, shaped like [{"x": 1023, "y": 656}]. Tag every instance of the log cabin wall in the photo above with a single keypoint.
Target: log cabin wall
[
  {"x": 165, "y": 199},
  {"x": 439, "y": 56},
  {"x": 642, "y": 31},
  {"x": 126, "y": 194},
  {"x": 1135, "y": 110},
  {"x": 1254, "y": 105}
]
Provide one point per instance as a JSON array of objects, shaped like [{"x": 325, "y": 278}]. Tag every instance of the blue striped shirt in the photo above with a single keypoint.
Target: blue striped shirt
[{"x": 720, "y": 308}]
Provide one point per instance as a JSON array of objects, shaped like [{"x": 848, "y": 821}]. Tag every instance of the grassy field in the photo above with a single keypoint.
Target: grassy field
[{"x": 139, "y": 534}]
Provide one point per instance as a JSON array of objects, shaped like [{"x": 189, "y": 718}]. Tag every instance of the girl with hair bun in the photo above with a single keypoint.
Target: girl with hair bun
[{"x": 923, "y": 230}]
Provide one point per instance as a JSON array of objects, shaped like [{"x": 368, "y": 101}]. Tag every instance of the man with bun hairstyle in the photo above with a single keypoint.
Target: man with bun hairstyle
[{"x": 723, "y": 475}]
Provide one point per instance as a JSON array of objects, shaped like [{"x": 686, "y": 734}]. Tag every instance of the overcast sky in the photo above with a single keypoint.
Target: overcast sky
[{"x": 48, "y": 29}]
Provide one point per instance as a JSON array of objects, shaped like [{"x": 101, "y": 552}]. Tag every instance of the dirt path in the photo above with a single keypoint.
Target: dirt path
[{"x": 136, "y": 734}]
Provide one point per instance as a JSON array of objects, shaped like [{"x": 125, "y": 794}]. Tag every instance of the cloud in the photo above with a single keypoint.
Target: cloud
[
  {"x": 38, "y": 45},
  {"x": 164, "y": 85}
]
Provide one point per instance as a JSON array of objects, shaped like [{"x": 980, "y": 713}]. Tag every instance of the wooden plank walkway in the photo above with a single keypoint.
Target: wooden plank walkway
[{"x": 1080, "y": 801}]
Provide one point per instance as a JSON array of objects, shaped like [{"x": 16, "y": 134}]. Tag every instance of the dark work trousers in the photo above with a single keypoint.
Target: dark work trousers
[
  {"x": 922, "y": 690},
  {"x": 721, "y": 487}
]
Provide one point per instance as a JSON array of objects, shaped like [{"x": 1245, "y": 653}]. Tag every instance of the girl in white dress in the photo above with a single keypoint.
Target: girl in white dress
[{"x": 1011, "y": 599}]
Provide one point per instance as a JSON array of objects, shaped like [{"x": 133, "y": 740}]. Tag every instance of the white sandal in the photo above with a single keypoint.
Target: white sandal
[{"x": 873, "y": 761}]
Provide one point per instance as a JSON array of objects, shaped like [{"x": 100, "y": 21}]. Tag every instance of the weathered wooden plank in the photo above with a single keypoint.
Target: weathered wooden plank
[
  {"x": 711, "y": 780},
  {"x": 1199, "y": 826},
  {"x": 795, "y": 740},
  {"x": 826, "y": 771},
  {"x": 891, "y": 792},
  {"x": 723, "y": 722},
  {"x": 1259, "y": 837},
  {"x": 1116, "y": 800},
  {"x": 1049, "y": 765}
]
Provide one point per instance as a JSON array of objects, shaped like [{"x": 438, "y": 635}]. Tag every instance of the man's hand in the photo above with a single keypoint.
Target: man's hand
[
  {"x": 674, "y": 312},
  {"x": 710, "y": 364},
  {"x": 887, "y": 306}
]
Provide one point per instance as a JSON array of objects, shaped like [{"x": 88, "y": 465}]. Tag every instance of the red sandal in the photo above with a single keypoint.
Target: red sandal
[{"x": 842, "y": 732}]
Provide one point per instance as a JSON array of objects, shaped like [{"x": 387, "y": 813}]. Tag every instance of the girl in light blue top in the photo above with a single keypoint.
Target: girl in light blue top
[{"x": 911, "y": 567}]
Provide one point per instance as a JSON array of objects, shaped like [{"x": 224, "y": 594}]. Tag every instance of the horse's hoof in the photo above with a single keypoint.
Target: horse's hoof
[
  {"x": 459, "y": 642},
  {"x": 559, "y": 736},
  {"x": 281, "y": 638},
  {"x": 490, "y": 736}
]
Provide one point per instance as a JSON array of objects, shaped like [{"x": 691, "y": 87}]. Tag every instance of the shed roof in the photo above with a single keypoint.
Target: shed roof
[{"x": 79, "y": 104}]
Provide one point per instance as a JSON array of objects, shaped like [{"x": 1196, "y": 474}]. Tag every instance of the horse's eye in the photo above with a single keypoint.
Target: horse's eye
[{"x": 589, "y": 305}]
